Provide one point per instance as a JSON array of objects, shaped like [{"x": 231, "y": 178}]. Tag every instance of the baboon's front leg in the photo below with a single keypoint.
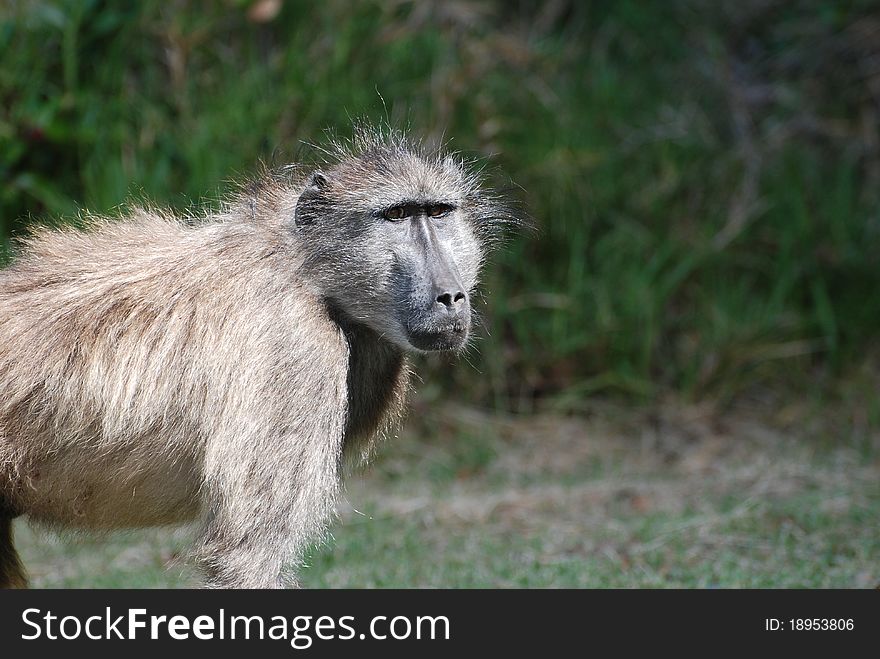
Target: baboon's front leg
[{"x": 267, "y": 499}]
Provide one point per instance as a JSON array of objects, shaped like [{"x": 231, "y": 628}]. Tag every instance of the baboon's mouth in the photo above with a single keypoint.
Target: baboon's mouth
[{"x": 449, "y": 337}]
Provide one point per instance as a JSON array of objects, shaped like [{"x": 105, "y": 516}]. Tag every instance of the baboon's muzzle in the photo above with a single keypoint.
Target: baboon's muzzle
[{"x": 445, "y": 324}]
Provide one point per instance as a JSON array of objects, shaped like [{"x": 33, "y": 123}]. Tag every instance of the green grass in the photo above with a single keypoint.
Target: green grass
[
  {"x": 693, "y": 500},
  {"x": 701, "y": 176}
]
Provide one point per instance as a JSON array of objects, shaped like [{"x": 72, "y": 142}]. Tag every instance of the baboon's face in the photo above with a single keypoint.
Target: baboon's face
[{"x": 388, "y": 237}]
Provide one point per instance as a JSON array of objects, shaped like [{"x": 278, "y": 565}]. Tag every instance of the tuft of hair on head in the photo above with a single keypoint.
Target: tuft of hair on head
[
  {"x": 496, "y": 207},
  {"x": 367, "y": 138},
  {"x": 494, "y": 203}
]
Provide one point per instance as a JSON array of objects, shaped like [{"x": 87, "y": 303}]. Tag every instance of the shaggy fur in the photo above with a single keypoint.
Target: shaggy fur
[{"x": 157, "y": 370}]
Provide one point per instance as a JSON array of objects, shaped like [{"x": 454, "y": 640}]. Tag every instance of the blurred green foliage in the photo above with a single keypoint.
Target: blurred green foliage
[{"x": 704, "y": 176}]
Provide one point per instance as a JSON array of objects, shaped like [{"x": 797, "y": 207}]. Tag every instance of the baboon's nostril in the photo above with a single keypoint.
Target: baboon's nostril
[{"x": 450, "y": 300}]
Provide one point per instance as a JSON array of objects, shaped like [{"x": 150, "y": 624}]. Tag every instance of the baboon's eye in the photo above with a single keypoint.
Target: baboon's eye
[
  {"x": 395, "y": 213},
  {"x": 439, "y": 210}
]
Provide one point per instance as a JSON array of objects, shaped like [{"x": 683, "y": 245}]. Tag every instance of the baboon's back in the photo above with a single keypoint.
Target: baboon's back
[{"x": 121, "y": 349}]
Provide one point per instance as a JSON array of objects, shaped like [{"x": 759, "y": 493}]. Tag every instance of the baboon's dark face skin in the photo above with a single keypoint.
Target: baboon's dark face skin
[
  {"x": 389, "y": 238},
  {"x": 431, "y": 302}
]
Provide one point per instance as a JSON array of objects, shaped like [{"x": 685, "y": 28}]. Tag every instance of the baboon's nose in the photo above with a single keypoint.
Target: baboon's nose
[{"x": 452, "y": 301}]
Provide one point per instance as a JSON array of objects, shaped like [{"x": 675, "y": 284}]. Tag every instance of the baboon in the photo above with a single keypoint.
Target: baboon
[{"x": 224, "y": 368}]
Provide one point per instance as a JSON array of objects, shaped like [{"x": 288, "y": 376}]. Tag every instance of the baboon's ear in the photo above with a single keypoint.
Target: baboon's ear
[{"x": 312, "y": 202}]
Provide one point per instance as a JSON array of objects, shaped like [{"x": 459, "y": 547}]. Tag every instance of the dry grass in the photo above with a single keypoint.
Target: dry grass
[{"x": 685, "y": 497}]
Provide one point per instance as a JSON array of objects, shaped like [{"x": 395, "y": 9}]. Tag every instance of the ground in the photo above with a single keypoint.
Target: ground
[{"x": 685, "y": 497}]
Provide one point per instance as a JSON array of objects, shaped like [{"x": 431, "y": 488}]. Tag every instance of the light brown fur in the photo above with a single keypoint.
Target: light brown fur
[{"x": 157, "y": 371}]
